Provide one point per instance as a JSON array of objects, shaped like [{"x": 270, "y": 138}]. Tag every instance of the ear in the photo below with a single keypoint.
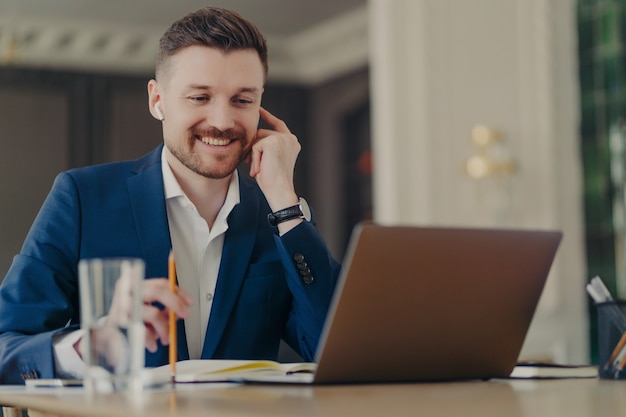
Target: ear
[{"x": 154, "y": 99}]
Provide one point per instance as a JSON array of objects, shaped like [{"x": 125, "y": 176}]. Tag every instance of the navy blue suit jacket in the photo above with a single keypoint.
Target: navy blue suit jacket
[{"x": 118, "y": 209}]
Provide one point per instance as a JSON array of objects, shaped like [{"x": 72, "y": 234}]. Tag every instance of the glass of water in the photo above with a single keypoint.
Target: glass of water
[{"x": 113, "y": 344}]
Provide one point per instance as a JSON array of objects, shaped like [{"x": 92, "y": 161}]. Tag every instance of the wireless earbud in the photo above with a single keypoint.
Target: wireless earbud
[{"x": 157, "y": 109}]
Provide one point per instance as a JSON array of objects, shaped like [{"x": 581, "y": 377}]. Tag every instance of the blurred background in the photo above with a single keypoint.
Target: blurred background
[{"x": 480, "y": 113}]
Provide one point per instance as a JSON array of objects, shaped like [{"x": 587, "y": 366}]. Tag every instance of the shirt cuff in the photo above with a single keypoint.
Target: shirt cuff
[{"x": 67, "y": 361}]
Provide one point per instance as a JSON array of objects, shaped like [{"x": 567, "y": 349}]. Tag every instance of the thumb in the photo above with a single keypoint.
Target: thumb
[{"x": 254, "y": 158}]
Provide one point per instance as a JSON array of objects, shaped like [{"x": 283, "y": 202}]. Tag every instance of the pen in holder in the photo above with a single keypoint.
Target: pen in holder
[{"x": 612, "y": 339}]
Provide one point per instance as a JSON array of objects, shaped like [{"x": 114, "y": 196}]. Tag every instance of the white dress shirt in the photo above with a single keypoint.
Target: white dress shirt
[{"x": 198, "y": 252}]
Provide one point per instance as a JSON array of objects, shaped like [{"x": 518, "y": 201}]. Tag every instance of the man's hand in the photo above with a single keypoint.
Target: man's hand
[
  {"x": 156, "y": 320},
  {"x": 273, "y": 159}
]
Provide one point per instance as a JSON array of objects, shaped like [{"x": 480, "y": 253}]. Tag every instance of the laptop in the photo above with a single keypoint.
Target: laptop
[{"x": 430, "y": 304}]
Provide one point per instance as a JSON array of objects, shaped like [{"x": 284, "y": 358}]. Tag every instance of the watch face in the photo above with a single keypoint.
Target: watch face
[{"x": 306, "y": 210}]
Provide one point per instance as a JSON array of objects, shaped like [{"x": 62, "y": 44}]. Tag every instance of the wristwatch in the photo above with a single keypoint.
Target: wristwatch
[{"x": 299, "y": 211}]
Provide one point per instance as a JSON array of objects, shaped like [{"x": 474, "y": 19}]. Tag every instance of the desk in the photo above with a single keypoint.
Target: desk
[{"x": 521, "y": 398}]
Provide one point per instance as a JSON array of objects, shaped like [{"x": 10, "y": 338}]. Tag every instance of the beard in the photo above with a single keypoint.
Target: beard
[{"x": 221, "y": 165}]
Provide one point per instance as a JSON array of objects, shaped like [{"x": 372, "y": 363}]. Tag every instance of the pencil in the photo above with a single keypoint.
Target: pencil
[
  {"x": 616, "y": 351},
  {"x": 172, "y": 330}
]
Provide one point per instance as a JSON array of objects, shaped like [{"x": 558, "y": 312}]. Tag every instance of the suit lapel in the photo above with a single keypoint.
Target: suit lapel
[
  {"x": 238, "y": 244},
  {"x": 147, "y": 199}
]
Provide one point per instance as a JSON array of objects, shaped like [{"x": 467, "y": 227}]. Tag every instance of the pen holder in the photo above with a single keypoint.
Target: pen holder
[{"x": 612, "y": 339}]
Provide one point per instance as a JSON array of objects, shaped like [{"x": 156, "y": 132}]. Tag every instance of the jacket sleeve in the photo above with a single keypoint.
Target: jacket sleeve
[
  {"x": 312, "y": 274},
  {"x": 39, "y": 295}
]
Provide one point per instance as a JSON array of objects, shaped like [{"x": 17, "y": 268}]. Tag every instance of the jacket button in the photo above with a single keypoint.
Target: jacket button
[
  {"x": 30, "y": 375},
  {"x": 303, "y": 268}
]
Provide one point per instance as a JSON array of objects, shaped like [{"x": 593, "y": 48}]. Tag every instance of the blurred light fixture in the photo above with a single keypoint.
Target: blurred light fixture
[{"x": 492, "y": 157}]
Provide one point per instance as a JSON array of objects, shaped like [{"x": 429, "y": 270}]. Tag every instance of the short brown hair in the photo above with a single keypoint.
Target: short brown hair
[{"x": 213, "y": 27}]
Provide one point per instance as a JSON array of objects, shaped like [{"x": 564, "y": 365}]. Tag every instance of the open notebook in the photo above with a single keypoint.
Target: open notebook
[{"x": 424, "y": 304}]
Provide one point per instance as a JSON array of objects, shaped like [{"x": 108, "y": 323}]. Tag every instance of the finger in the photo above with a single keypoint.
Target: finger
[
  {"x": 121, "y": 305},
  {"x": 263, "y": 133},
  {"x": 151, "y": 339},
  {"x": 187, "y": 298},
  {"x": 273, "y": 121},
  {"x": 248, "y": 158},
  {"x": 157, "y": 324},
  {"x": 158, "y": 290}
]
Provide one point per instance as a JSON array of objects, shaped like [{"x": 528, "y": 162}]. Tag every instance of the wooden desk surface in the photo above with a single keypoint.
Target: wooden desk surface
[{"x": 572, "y": 398}]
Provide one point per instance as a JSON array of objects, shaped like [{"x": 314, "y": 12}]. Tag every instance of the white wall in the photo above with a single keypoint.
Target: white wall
[{"x": 438, "y": 68}]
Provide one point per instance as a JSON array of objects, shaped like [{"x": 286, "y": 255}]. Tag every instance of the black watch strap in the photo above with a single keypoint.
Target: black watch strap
[
  {"x": 298, "y": 211},
  {"x": 283, "y": 215}
]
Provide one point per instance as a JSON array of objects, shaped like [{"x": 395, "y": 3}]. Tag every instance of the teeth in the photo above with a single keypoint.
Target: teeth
[{"x": 215, "y": 142}]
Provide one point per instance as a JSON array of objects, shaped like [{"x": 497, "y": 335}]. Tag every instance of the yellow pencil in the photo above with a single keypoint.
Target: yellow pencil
[
  {"x": 172, "y": 330},
  {"x": 616, "y": 351}
]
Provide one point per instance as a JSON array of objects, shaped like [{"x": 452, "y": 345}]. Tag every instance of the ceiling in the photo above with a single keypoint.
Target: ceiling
[{"x": 309, "y": 41}]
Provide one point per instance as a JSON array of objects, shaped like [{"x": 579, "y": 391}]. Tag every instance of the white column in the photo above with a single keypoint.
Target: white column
[
  {"x": 438, "y": 68},
  {"x": 400, "y": 111}
]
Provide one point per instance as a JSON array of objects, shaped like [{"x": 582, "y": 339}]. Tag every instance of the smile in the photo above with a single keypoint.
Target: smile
[{"x": 215, "y": 141}]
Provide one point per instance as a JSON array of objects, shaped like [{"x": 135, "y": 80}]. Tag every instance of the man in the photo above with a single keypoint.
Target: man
[{"x": 244, "y": 283}]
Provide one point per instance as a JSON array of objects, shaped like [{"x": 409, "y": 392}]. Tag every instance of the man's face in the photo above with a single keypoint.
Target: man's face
[{"x": 210, "y": 102}]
